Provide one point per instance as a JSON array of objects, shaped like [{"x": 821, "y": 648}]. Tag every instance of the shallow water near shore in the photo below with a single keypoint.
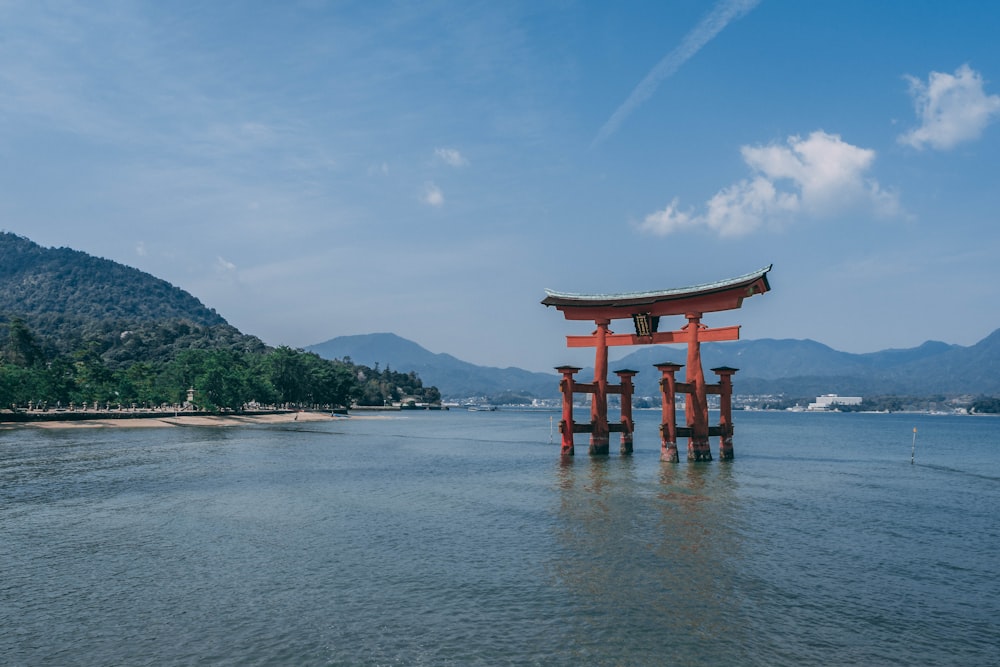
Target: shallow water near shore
[{"x": 461, "y": 538}]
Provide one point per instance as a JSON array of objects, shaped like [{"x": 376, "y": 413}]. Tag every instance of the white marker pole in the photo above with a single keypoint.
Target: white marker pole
[{"x": 913, "y": 446}]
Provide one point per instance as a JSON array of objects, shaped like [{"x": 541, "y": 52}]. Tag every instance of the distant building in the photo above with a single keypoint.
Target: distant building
[{"x": 831, "y": 401}]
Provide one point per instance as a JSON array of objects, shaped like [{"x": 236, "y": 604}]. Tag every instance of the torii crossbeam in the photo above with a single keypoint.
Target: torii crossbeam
[{"x": 645, "y": 310}]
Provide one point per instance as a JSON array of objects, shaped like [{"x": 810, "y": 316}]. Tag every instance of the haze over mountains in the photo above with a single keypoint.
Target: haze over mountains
[{"x": 799, "y": 368}]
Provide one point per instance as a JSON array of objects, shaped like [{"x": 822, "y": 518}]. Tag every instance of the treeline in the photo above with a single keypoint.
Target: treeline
[
  {"x": 385, "y": 387},
  {"x": 900, "y": 403},
  {"x": 887, "y": 403},
  {"x": 157, "y": 366}
]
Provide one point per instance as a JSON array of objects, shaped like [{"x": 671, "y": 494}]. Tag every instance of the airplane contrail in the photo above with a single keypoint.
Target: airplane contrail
[{"x": 724, "y": 13}]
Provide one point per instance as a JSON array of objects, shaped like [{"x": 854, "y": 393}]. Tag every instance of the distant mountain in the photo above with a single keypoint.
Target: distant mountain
[
  {"x": 453, "y": 377},
  {"x": 796, "y": 368},
  {"x": 805, "y": 368}
]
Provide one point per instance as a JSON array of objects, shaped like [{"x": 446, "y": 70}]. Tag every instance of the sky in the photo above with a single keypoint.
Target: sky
[{"x": 317, "y": 169}]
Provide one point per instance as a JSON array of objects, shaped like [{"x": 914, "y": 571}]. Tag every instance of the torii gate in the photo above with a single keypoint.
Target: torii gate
[{"x": 645, "y": 310}]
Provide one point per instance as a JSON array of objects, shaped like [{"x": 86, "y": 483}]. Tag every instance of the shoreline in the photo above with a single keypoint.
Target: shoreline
[{"x": 149, "y": 419}]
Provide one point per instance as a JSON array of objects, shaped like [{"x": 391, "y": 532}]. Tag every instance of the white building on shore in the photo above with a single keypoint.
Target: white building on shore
[{"x": 831, "y": 401}]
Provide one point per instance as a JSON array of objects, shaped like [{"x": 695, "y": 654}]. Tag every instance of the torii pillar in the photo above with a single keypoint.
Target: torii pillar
[
  {"x": 599, "y": 434},
  {"x": 566, "y": 425},
  {"x": 696, "y": 405},
  {"x": 725, "y": 374},
  {"x": 625, "y": 389},
  {"x": 668, "y": 421}
]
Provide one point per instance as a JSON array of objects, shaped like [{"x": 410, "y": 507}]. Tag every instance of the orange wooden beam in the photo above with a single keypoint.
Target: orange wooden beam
[{"x": 714, "y": 335}]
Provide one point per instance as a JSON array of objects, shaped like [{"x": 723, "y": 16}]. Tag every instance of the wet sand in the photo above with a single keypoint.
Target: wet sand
[{"x": 168, "y": 421}]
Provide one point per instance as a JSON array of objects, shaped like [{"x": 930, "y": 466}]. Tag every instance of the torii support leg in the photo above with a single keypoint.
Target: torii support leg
[
  {"x": 599, "y": 401},
  {"x": 668, "y": 425},
  {"x": 725, "y": 412},
  {"x": 696, "y": 405},
  {"x": 626, "y": 399},
  {"x": 566, "y": 425}
]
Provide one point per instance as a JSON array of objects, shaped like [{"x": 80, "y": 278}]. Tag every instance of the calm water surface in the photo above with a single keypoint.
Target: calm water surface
[{"x": 461, "y": 539}]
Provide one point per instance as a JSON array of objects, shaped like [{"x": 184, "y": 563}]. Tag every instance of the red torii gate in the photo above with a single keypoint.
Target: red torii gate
[{"x": 645, "y": 310}]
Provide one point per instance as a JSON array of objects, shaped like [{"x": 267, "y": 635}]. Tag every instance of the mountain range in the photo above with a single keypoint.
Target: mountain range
[{"x": 791, "y": 367}]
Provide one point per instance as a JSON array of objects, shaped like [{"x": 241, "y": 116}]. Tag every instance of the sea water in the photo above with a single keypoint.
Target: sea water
[{"x": 461, "y": 538}]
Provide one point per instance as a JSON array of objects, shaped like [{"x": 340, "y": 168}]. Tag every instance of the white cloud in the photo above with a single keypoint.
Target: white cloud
[
  {"x": 952, "y": 109},
  {"x": 433, "y": 195},
  {"x": 450, "y": 157},
  {"x": 140, "y": 249},
  {"x": 818, "y": 176},
  {"x": 745, "y": 206},
  {"x": 826, "y": 171},
  {"x": 668, "y": 220}
]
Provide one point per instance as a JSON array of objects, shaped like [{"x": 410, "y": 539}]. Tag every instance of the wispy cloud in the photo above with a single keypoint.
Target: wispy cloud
[
  {"x": 223, "y": 265},
  {"x": 722, "y": 14},
  {"x": 451, "y": 157},
  {"x": 952, "y": 108},
  {"x": 817, "y": 177}
]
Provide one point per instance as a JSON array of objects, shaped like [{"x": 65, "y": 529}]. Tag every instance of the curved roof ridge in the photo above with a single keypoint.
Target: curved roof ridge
[{"x": 672, "y": 292}]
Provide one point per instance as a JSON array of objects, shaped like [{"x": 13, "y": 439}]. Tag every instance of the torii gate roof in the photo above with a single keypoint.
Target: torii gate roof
[{"x": 710, "y": 297}]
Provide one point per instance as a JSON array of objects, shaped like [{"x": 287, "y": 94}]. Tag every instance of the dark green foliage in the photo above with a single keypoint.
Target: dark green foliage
[
  {"x": 512, "y": 398},
  {"x": 222, "y": 379},
  {"x": 985, "y": 405},
  {"x": 386, "y": 387},
  {"x": 21, "y": 346},
  {"x": 303, "y": 378}
]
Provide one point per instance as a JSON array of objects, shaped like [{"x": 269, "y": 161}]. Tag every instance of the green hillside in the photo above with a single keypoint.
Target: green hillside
[
  {"x": 70, "y": 300},
  {"x": 39, "y": 281}
]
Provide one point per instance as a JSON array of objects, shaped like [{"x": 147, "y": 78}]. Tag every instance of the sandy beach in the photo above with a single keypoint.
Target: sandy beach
[{"x": 168, "y": 421}]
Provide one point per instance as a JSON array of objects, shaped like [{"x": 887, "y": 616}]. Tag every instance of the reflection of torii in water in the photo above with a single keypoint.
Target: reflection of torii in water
[{"x": 645, "y": 310}]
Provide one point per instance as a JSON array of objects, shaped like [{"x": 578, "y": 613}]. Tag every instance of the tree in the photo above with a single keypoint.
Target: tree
[
  {"x": 92, "y": 379},
  {"x": 137, "y": 384},
  {"x": 222, "y": 382},
  {"x": 22, "y": 349},
  {"x": 287, "y": 375}
]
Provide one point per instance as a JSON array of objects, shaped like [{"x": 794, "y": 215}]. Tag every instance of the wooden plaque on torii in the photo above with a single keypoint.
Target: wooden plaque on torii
[{"x": 645, "y": 309}]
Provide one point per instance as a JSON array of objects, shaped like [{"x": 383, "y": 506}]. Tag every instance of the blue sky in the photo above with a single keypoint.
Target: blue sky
[{"x": 314, "y": 169}]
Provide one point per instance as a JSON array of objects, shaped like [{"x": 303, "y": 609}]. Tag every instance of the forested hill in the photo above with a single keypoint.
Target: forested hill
[
  {"x": 71, "y": 301},
  {"x": 38, "y": 281},
  {"x": 78, "y": 329}
]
